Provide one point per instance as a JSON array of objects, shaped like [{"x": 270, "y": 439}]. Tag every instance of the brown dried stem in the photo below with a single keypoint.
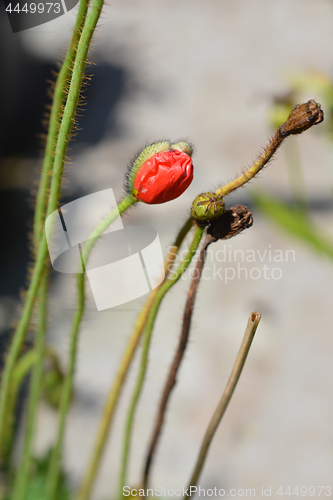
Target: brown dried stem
[
  {"x": 171, "y": 380},
  {"x": 228, "y": 392},
  {"x": 232, "y": 222}
]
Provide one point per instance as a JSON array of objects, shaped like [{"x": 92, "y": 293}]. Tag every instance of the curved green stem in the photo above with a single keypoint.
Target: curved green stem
[
  {"x": 302, "y": 117},
  {"x": 117, "y": 384},
  {"x": 19, "y": 336},
  {"x": 22, "y": 476},
  {"x": 60, "y": 154},
  {"x": 21, "y": 370},
  {"x": 177, "y": 359},
  {"x": 145, "y": 347},
  {"x": 71, "y": 103},
  {"x": 263, "y": 159},
  {"x": 59, "y": 97},
  {"x": 54, "y": 469}
]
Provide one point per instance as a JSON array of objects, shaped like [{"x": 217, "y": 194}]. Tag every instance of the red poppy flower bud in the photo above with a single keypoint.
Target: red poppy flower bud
[{"x": 164, "y": 174}]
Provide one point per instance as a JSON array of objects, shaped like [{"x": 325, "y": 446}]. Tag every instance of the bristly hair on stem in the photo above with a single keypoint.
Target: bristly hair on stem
[
  {"x": 232, "y": 222},
  {"x": 145, "y": 350},
  {"x": 116, "y": 387},
  {"x": 302, "y": 117},
  {"x": 43, "y": 199}
]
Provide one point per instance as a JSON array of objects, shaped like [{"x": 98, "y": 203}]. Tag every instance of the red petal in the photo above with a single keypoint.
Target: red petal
[{"x": 164, "y": 177}]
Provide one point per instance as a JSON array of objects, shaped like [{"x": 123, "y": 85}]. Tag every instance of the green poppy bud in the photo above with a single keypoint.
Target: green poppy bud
[{"x": 207, "y": 207}]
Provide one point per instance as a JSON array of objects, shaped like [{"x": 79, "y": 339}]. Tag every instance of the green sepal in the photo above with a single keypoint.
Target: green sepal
[
  {"x": 183, "y": 146},
  {"x": 144, "y": 155}
]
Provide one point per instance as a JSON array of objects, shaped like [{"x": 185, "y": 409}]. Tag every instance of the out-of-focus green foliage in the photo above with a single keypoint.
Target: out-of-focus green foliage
[
  {"x": 310, "y": 85},
  {"x": 294, "y": 222},
  {"x": 37, "y": 481}
]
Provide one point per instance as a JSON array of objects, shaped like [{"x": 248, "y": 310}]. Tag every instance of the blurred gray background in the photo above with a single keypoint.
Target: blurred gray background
[{"x": 206, "y": 70}]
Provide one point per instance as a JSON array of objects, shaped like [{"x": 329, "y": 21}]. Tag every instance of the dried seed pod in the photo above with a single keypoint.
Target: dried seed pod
[
  {"x": 302, "y": 117},
  {"x": 232, "y": 222}
]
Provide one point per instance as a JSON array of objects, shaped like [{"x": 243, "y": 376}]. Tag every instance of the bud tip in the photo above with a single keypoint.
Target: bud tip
[{"x": 302, "y": 117}]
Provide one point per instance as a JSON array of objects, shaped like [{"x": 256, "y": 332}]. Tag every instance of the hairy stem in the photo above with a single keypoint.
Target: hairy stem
[
  {"x": 22, "y": 369},
  {"x": 263, "y": 159},
  {"x": 171, "y": 379},
  {"x": 119, "y": 379},
  {"x": 145, "y": 348},
  {"x": 54, "y": 468},
  {"x": 59, "y": 97},
  {"x": 22, "y": 476},
  {"x": 302, "y": 117},
  {"x": 59, "y": 160},
  {"x": 18, "y": 338},
  {"x": 228, "y": 392}
]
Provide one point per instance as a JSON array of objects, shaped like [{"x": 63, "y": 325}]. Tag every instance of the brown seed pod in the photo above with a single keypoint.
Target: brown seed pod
[
  {"x": 232, "y": 222},
  {"x": 302, "y": 117}
]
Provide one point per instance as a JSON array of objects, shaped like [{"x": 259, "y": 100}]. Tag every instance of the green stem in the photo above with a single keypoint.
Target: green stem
[
  {"x": 186, "y": 227},
  {"x": 176, "y": 362},
  {"x": 21, "y": 370},
  {"x": 54, "y": 468},
  {"x": 71, "y": 103},
  {"x": 22, "y": 476},
  {"x": 115, "y": 389},
  {"x": 263, "y": 159},
  {"x": 19, "y": 336},
  {"x": 145, "y": 347},
  {"x": 60, "y": 154},
  {"x": 59, "y": 97}
]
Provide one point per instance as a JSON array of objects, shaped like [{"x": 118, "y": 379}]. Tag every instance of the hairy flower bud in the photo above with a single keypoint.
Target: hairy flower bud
[
  {"x": 183, "y": 146},
  {"x": 207, "y": 207},
  {"x": 302, "y": 117},
  {"x": 161, "y": 172}
]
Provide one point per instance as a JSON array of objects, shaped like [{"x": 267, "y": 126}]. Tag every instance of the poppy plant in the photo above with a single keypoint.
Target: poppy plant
[{"x": 161, "y": 172}]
